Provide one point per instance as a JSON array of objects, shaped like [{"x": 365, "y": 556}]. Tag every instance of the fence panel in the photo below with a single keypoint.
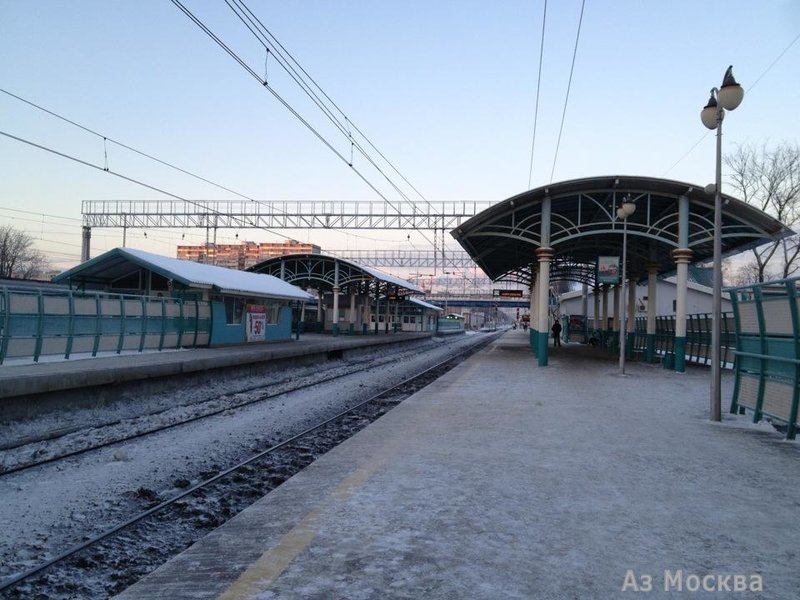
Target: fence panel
[
  {"x": 767, "y": 332},
  {"x": 36, "y": 323}
]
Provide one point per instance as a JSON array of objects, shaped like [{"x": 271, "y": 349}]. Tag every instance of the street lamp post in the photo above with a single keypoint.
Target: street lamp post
[
  {"x": 727, "y": 97},
  {"x": 623, "y": 212}
]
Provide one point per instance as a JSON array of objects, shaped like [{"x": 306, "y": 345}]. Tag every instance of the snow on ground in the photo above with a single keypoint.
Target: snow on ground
[
  {"x": 48, "y": 509},
  {"x": 505, "y": 480}
]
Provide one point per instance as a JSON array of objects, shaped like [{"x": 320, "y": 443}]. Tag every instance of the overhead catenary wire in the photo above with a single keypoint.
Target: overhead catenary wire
[
  {"x": 150, "y": 157},
  {"x": 280, "y": 98},
  {"x": 277, "y": 47},
  {"x": 342, "y": 127},
  {"x": 569, "y": 86},
  {"x": 121, "y": 176},
  {"x": 749, "y": 90},
  {"x": 538, "y": 88},
  {"x": 273, "y": 46}
]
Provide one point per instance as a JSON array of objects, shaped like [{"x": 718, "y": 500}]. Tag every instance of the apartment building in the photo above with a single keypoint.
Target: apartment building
[{"x": 244, "y": 255}]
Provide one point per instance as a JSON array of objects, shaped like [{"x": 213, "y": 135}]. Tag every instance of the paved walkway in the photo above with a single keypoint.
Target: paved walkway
[{"x": 505, "y": 480}]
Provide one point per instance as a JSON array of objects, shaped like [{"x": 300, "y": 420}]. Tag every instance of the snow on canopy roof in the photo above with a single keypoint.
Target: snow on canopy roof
[
  {"x": 425, "y": 304},
  {"x": 189, "y": 273},
  {"x": 386, "y": 277}
]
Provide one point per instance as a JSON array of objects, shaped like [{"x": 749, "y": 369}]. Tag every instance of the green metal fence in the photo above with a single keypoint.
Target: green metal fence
[
  {"x": 768, "y": 351},
  {"x": 37, "y": 322},
  {"x": 698, "y": 338}
]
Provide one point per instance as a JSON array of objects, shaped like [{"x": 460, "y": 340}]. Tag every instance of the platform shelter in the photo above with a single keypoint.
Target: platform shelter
[
  {"x": 562, "y": 231},
  {"x": 374, "y": 297},
  {"x": 240, "y": 306}
]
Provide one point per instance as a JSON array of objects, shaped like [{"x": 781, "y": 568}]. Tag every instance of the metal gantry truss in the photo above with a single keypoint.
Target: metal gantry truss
[{"x": 272, "y": 214}]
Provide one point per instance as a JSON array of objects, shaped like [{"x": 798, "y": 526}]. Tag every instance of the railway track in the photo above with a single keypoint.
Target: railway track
[
  {"x": 104, "y": 564},
  {"x": 33, "y": 451}
]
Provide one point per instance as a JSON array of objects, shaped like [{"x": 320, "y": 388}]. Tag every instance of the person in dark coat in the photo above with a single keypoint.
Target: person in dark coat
[{"x": 556, "y": 329}]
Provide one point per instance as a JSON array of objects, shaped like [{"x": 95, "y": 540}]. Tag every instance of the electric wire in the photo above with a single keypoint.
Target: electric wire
[
  {"x": 122, "y": 145},
  {"x": 277, "y": 45},
  {"x": 125, "y": 177},
  {"x": 170, "y": 165},
  {"x": 134, "y": 150},
  {"x": 749, "y": 90},
  {"x": 538, "y": 88},
  {"x": 273, "y": 46},
  {"x": 154, "y": 158},
  {"x": 569, "y": 85},
  {"x": 280, "y": 98},
  {"x": 29, "y": 212}
]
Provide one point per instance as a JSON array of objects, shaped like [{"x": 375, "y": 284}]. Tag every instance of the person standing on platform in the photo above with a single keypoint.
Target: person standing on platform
[{"x": 556, "y": 329}]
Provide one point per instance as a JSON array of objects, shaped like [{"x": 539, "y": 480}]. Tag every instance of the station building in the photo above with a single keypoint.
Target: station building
[{"x": 237, "y": 306}]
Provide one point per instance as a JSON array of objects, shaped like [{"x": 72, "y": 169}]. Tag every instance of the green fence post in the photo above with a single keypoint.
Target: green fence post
[
  {"x": 6, "y": 295},
  {"x": 145, "y": 320},
  {"x": 197, "y": 323},
  {"x": 791, "y": 296},
  {"x": 39, "y": 326},
  {"x": 757, "y": 297},
  {"x": 181, "y": 325},
  {"x": 163, "y": 324},
  {"x": 70, "y": 324},
  {"x": 121, "y": 324},
  {"x": 98, "y": 324},
  {"x": 737, "y": 369}
]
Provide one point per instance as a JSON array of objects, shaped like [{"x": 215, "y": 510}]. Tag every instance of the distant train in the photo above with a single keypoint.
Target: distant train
[{"x": 450, "y": 323}]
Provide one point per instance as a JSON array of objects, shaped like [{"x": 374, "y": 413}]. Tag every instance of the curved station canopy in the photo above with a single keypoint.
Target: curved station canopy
[
  {"x": 321, "y": 272},
  {"x": 580, "y": 220}
]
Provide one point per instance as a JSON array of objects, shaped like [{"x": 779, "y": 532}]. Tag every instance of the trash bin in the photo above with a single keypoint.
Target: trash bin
[{"x": 668, "y": 362}]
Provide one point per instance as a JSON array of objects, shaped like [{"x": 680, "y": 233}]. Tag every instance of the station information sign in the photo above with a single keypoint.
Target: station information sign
[{"x": 507, "y": 293}]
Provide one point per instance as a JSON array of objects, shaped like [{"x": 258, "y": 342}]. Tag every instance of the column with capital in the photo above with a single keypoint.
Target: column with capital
[
  {"x": 683, "y": 257},
  {"x": 532, "y": 311},
  {"x": 545, "y": 257}
]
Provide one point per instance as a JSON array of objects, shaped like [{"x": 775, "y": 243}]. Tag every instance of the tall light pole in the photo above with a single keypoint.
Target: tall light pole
[
  {"x": 623, "y": 212},
  {"x": 727, "y": 97}
]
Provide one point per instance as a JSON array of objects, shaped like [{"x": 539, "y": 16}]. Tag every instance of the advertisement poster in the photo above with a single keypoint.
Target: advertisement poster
[
  {"x": 256, "y": 323},
  {"x": 608, "y": 269}
]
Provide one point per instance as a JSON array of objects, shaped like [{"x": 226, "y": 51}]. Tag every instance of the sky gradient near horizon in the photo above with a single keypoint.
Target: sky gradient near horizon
[{"x": 445, "y": 90}]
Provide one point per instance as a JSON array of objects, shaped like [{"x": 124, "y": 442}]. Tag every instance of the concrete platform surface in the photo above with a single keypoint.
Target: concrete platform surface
[
  {"x": 57, "y": 375},
  {"x": 506, "y": 480}
]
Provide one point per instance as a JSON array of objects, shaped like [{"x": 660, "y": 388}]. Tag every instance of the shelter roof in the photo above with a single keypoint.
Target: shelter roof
[
  {"x": 119, "y": 262},
  {"x": 319, "y": 270},
  {"x": 503, "y": 238},
  {"x": 424, "y": 304}
]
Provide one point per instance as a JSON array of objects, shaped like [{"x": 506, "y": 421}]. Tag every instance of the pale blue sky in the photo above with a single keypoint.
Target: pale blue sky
[{"x": 446, "y": 90}]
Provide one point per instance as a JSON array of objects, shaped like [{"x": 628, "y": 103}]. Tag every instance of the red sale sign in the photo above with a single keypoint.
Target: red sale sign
[{"x": 256, "y": 323}]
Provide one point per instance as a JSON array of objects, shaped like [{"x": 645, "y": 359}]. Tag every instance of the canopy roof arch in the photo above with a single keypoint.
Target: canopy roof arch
[
  {"x": 322, "y": 272},
  {"x": 583, "y": 225}
]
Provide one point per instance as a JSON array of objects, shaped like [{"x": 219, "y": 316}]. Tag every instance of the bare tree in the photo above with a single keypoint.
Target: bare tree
[
  {"x": 18, "y": 256},
  {"x": 770, "y": 180}
]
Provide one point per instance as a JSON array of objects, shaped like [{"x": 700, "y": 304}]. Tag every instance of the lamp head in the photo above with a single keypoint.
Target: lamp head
[
  {"x": 731, "y": 93},
  {"x": 709, "y": 113}
]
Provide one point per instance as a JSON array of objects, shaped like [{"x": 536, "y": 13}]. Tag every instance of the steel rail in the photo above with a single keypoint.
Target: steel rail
[
  {"x": 166, "y": 503},
  {"x": 67, "y": 431}
]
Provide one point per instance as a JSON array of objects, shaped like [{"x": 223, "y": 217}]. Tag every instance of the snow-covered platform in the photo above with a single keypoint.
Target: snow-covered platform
[
  {"x": 20, "y": 380},
  {"x": 506, "y": 480}
]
